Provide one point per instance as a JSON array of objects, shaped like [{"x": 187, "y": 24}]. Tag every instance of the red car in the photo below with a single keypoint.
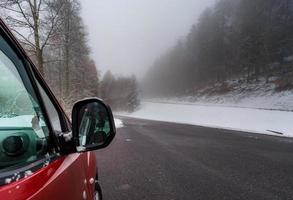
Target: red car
[{"x": 42, "y": 154}]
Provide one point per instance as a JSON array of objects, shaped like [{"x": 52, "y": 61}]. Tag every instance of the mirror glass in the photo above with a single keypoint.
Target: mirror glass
[{"x": 94, "y": 125}]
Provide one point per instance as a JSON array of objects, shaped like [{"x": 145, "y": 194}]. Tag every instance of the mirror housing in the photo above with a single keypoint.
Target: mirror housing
[{"x": 93, "y": 125}]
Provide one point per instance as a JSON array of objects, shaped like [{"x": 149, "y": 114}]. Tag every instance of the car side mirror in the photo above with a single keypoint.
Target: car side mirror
[{"x": 93, "y": 125}]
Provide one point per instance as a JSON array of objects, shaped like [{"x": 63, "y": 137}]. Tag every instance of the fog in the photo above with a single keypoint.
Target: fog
[{"x": 127, "y": 36}]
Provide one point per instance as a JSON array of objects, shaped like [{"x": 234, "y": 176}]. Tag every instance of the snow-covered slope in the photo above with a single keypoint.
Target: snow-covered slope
[
  {"x": 234, "y": 94},
  {"x": 235, "y": 118}
]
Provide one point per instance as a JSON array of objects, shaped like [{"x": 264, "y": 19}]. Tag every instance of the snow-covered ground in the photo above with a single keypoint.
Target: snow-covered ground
[
  {"x": 118, "y": 123},
  {"x": 235, "y": 118},
  {"x": 277, "y": 101},
  {"x": 246, "y": 95}
]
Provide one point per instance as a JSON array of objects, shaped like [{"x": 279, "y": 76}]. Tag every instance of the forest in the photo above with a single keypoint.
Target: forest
[
  {"x": 243, "y": 40},
  {"x": 54, "y": 36}
]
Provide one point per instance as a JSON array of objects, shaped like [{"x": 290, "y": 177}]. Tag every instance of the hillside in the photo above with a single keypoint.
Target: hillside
[{"x": 274, "y": 95}]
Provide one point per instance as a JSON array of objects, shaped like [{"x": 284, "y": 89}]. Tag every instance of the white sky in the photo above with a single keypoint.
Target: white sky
[{"x": 126, "y": 36}]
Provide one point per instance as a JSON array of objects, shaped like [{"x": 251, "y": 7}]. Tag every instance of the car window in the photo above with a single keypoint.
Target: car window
[
  {"x": 23, "y": 131},
  {"x": 52, "y": 112}
]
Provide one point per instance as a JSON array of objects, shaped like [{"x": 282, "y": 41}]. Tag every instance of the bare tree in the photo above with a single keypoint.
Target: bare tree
[{"x": 34, "y": 22}]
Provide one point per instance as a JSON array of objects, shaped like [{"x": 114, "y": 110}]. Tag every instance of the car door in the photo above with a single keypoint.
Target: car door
[
  {"x": 33, "y": 162},
  {"x": 71, "y": 180}
]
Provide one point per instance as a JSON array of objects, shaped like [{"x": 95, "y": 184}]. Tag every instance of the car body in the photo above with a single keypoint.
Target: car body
[{"x": 41, "y": 152}]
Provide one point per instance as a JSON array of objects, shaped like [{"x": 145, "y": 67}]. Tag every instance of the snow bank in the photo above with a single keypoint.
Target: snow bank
[
  {"x": 118, "y": 123},
  {"x": 242, "y": 119}
]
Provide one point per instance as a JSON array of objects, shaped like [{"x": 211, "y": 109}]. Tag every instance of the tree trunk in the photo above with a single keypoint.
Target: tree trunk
[
  {"x": 40, "y": 61},
  {"x": 66, "y": 71},
  {"x": 67, "y": 31},
  {"x": 39, "y": 51}
]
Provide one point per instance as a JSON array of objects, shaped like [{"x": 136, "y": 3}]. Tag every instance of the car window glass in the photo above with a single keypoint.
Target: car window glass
[
  {"x": 23, "y": 131},
  {"x": 52, "y": 112}
]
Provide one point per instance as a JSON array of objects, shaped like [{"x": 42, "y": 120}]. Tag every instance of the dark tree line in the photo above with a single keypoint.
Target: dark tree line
[
  {"x": 236, "y": 39},
  {"x": 121, "y": 92}
]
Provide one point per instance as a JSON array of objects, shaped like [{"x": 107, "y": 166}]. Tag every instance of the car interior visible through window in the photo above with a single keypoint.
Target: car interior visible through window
[{"x": 23, "y": 131}]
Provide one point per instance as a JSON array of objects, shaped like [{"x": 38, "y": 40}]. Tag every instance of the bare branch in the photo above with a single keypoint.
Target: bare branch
[
  {"x": 9, "y": 9},
  {"x": 39, "y": 6},
  {"x": 17, "y": 22},
  {"x": 23, "y": 13},
  {"x": 24, "y": 38},
  {"x": 27, "y": 44},
  {"x": 31, "y": 7},
  {"x": 53, "y": 24}
]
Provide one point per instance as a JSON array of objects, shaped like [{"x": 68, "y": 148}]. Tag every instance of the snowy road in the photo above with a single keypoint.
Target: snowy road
[
  {"x": 151, "y": 160},
  {"x": 242, "y": 119}
]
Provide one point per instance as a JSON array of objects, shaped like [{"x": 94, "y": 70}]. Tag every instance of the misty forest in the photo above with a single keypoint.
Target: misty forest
[
  {"x": 235, "y": 42},
  {"x": 53, "y": 34}
]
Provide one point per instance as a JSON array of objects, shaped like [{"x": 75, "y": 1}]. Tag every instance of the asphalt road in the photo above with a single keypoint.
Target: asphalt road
[{"x": 165, "y": 161}]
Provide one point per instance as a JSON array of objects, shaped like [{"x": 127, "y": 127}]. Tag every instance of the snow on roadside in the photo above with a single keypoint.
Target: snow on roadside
[
  {"x": 118, "y": 123},
  {"x": 242, "y": 119}
]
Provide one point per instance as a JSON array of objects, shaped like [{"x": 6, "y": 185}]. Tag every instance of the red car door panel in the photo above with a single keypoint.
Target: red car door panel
[{"x": 65, "y": 178}]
